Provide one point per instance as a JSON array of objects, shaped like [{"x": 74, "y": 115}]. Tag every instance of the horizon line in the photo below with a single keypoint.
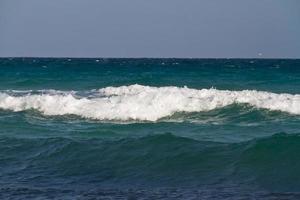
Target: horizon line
[{"x": 191, "y": 58}]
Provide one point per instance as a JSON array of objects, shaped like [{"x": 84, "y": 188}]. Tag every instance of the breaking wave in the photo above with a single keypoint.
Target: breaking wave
[{"x": 137, "y": 102}]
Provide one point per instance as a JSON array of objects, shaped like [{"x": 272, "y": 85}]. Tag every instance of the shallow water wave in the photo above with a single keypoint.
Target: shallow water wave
[{"x": 145, "y": 103}]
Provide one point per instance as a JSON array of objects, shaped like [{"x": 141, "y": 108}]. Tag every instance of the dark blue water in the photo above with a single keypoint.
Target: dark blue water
[{"x": 149, "y": 129}]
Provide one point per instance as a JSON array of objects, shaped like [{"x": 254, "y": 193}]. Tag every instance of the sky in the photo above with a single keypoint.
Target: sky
[{"x": 150, "y": 28}]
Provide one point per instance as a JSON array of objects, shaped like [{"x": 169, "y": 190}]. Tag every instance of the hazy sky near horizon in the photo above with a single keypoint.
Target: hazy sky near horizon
[{"x": 150, "y": 28}]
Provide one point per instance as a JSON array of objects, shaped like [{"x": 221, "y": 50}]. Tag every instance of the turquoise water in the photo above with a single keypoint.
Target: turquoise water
[{"x": 149, "y": 129}]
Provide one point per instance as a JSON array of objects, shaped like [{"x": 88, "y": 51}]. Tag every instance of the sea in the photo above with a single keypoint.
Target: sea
[{"x": 104, "y": 128}]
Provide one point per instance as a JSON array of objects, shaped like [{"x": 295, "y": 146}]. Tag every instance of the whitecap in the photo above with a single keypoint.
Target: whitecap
[{"x": 137, "y": 102}]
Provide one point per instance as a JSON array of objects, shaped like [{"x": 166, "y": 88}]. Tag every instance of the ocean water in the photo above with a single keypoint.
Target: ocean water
[{"x": 149, "y": 129}]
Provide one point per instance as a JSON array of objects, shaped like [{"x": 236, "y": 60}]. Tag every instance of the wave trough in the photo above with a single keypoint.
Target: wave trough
[{"x": 137, "y": 102}]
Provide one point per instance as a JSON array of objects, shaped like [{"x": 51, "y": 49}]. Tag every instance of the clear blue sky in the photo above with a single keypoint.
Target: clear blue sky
[{"x": 150, "y": 28}]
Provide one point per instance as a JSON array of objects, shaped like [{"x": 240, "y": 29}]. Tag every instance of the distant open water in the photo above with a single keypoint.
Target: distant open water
[{"x": 149, "y": 129}]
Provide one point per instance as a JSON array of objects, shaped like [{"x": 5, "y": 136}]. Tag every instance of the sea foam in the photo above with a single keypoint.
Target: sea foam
[{"x": 137, "y": 102}]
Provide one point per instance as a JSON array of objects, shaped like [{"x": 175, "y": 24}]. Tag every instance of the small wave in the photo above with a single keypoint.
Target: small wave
[
  {"x": 270, "y": 161},
  {"x": 145, "y": 103}
]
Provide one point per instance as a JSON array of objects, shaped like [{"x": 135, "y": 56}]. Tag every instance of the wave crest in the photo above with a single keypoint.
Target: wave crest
[{"x": 137, "y": 102}]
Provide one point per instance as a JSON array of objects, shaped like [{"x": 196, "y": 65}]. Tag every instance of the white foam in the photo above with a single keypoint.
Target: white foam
[{"x": 137, "y": 102}]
